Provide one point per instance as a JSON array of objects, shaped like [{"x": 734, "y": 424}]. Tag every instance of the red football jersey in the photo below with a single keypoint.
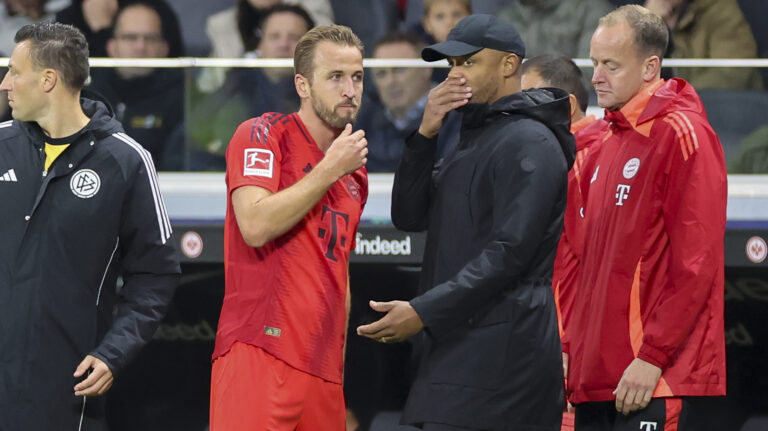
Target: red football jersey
[{"x": 287, "y": 297}]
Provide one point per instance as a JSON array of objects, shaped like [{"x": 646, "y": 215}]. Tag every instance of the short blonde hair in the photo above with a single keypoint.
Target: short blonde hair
[
  {"x": 304, "y": 56},
  {"x": 651, "y": 34}
]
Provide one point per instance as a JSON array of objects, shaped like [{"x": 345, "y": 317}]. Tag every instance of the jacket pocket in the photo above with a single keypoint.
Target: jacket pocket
[{"x": 471, "y": 357}]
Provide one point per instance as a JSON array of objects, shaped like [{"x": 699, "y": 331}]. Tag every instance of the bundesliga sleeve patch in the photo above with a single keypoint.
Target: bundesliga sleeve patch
[{"x": 258, "y": 162}]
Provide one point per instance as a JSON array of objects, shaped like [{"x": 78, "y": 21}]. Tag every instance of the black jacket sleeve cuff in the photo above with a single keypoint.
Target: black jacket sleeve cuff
[{"x": 416, "y": 142}]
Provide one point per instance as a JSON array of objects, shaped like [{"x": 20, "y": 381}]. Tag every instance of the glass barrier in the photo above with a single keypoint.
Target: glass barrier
[{"x": 186, "y": 110}]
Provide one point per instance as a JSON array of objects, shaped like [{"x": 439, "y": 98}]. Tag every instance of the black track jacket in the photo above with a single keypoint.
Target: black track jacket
[
  {"x": 493, "y": 211},
  {"x": 66, "y": 236}
]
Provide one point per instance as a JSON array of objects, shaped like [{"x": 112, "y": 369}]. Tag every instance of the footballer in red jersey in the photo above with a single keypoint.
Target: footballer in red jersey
[{"x": 297, "y": 187}]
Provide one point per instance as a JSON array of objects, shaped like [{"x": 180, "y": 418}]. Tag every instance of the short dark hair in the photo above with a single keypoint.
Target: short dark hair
[
  {"x": 412, "y": 39},
  {"x": 561, "y": 72},
  {"x": 60, "y": 47},
  {"x": 170, "y": 28},
  {"x": 292, "y": 8},
  {"x": 250, "y": 21},
  {"x": 651, "y": 33},
  {"x": 304, "y": 56}
]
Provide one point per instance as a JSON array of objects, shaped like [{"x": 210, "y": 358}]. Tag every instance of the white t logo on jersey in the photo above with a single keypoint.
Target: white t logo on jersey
[
  {"x": 622, "y": 192},
  {"x": 648, "y": 426}
]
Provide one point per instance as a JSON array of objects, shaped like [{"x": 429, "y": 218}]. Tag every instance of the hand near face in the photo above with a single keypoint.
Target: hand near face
[
  {"x": 445, "y": 97},
  {"x": 636, "y": 386},
  {"x": 348, "y": 152},
  {"x": 400, "y": 322}
]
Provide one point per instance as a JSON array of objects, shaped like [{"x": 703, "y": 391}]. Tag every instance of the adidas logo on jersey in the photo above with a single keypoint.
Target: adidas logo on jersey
[{"x": 9, "y": 176}]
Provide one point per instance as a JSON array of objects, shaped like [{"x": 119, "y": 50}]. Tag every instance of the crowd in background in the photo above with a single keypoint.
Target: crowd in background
[{"x": 185, "y": 118}]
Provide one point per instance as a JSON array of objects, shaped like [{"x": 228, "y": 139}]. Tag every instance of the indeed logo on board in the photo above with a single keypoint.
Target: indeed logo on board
[{"x": 382, "y": 247}]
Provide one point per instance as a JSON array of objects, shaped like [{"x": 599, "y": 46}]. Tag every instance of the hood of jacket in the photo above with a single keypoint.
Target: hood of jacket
[
  {"x": 103, "y": 122},
  {"x": 550, "y": 106},
  {"x": 665, "y": 97}
]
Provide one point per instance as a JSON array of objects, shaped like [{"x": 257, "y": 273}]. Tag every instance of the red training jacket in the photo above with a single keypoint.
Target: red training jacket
[
  {"x": 587, "y": 132},
  {"x": 651, "y": 282}
]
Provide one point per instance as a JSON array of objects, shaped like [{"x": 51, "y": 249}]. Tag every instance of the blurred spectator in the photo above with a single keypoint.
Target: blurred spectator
[
  {"x": 441, "y": 15},
  {"x": 235, "y": 31},
  {"x": 250, "y": 92},
  {"x": 439, "y": 18},
  {"x": 753, "y": 154},
  {"x": 149, "y": 102},
  {"x": 368, "y": 19},
  {"x": 15, "y": 14},
  {"x": 710, "y": 29},
  {"x": 414, "y": 14},
  {"x": 95, "y": 17},
  {"x": 556, "y": 26},
  {"x": 403, "y": 94}
]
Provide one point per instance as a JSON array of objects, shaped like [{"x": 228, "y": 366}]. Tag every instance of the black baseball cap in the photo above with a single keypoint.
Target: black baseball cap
[{"x": 474, "y": 33}]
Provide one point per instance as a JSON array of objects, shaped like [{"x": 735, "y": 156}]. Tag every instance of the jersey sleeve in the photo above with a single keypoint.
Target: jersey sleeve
[{"x": 253, "y": 155}]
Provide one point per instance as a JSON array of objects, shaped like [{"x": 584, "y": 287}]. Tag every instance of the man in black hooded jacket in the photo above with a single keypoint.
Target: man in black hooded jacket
[
  {"x": 493, "y": 211},
  {"x": 80, "y": 206}
]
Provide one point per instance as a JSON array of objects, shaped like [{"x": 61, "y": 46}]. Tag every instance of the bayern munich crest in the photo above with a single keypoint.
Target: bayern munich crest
[
  {"x": 631, "y": 167},
  {"x": 85, "y": 183},
  {"x": 757, "y": 250}
]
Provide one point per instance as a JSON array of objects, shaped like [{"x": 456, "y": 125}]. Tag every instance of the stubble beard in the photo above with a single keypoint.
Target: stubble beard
[{"x": 329, "y": 115}]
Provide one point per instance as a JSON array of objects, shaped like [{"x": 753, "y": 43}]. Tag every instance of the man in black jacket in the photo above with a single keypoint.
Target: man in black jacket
[
  {"x": 493, "y": 211},
  {"x": 81, "y": 205}
]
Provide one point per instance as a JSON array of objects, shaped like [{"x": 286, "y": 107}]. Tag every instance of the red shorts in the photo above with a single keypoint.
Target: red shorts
[{"x": 252, "y": 390}]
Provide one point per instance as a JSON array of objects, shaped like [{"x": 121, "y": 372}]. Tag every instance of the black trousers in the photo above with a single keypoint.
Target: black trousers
[
  {"x": 443, "y": 427},
  {"x": 661, "y": 414}
]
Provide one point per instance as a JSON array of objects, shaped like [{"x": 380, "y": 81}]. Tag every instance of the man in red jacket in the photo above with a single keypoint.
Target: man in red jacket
[
  {"x": 646, "y": 331},
  {"x": 559, "y": 71}
]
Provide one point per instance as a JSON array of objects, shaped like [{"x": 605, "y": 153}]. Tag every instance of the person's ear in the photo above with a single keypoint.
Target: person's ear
[
  {"x": 302, "y": 86},
  {"x": 574, "y": 104},
  {"x": 510, "y": 64},
  {"x": 651, "y": 68},
  {"x": 49, "y": 79}
]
